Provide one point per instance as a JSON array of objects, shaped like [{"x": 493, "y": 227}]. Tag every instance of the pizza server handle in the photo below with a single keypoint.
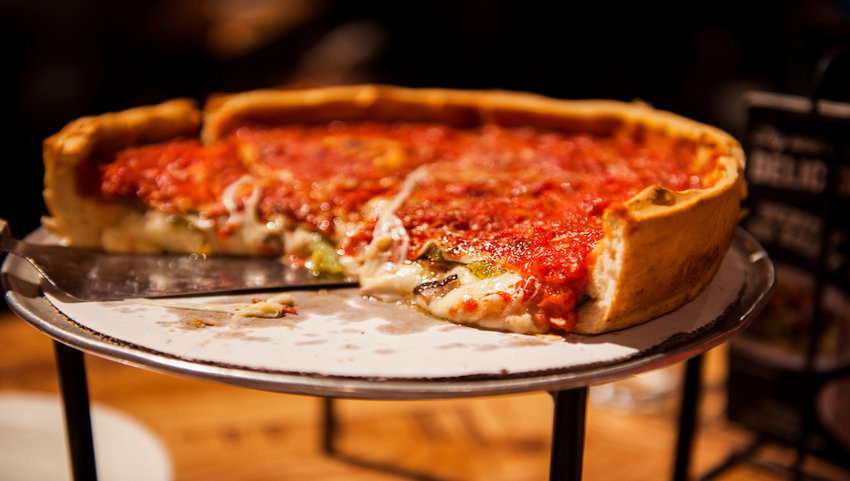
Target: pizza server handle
[{"x": 93, "y": 275}]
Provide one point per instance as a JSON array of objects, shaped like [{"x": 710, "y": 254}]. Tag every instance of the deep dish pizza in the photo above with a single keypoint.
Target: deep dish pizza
[{"x": 502, "y": 210}]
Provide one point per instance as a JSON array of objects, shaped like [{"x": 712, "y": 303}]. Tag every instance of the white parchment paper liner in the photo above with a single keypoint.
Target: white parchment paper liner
[{"x": 339, "y": 333}]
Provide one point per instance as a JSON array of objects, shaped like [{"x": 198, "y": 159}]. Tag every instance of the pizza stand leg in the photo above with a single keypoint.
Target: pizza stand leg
[
  {"x": 568, "y": 429},
  {"x": 75, "y": 399},
  {"x": 330, "y": 427},
  {"x": 687, "y": 418}
]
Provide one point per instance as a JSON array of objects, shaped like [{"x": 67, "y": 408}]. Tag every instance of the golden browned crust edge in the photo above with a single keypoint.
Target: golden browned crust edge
[
  {"x": 78, "y": 220},
  {"x": 386, "y": 103},
  {"x": 660, "y": 249}
]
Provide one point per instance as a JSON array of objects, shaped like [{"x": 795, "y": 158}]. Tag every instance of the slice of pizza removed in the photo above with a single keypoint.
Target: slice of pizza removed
[{"x": 502, "y": 210}]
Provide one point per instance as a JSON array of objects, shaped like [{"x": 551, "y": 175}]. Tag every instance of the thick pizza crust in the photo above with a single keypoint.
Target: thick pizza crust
[
  {"x": 660, "y": 248},
  {"x": 459, "y": 108},
  {"x": 80, "y": 220}
]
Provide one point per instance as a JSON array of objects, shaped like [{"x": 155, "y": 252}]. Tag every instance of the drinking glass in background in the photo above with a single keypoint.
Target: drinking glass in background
[{"x": 645, "y": 393}]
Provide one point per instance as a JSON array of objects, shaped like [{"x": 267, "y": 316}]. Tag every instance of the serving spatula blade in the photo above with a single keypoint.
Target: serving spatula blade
[{"x": 93, "y": 275}]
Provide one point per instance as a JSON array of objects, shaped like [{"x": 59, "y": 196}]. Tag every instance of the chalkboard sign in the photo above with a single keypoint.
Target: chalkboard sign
[
  {"x": 792, "y": 159},
  {"x": 798, "y": 205}
]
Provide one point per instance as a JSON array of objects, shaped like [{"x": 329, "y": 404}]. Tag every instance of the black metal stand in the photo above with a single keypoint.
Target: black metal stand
[
  {"x": 75, "y": 398},
  {"x": 568, "y": 429},
  {"x": 567, "y": 452},
  {"x": 568, "y": 424},
  {"x": 330, "y": 427},
  {"x": 687, "y": 417}
]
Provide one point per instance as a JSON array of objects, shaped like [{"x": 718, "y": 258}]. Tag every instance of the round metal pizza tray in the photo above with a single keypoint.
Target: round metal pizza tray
[{"x": 25, "y": 297}]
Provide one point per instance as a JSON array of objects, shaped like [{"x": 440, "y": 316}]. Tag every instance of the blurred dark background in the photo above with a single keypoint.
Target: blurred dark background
[{"x": 62, "y": 60}]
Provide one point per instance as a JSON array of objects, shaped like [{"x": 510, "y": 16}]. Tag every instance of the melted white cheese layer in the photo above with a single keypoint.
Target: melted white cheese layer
[
  {"x": 494, "y": 302},
  {"x": 384, "y": 272},
  {"x": 153, "y": 231}
]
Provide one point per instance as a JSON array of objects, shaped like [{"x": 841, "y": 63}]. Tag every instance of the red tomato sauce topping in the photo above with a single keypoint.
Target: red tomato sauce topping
[{"x": 526, "y": 199}]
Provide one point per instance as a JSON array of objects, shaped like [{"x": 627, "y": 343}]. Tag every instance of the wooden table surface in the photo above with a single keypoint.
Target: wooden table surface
[{"x": 218, "y": 432}]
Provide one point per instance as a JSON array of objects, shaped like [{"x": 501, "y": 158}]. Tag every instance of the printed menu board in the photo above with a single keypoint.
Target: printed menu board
[{"x": 798, "y": 205}]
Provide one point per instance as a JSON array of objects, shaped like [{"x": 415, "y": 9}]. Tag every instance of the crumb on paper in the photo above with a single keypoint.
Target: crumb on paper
[
  {"x": 201, "y": 322},
  {"x": 276, "y": 306}
]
